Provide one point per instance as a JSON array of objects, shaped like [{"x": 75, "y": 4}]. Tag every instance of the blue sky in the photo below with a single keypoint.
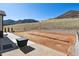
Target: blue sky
[{"x": 38, "y": 11}]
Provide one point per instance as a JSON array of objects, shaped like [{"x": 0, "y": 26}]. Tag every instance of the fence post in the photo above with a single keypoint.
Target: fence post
[
  {"x": 5, "y": 30},
  {"x": 8, "y": 29}
]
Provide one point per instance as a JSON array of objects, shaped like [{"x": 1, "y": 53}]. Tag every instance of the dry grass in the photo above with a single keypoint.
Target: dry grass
[{"x": 68, "y": 23}]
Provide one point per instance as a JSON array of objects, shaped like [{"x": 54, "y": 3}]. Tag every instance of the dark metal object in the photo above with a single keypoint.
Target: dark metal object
[{"x": 22, "y": 42}]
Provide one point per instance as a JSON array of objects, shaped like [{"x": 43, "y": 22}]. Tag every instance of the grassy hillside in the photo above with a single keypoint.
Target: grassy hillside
[
  {"x": 23, "y": 27},
  {"x": 66, "y": 23}
]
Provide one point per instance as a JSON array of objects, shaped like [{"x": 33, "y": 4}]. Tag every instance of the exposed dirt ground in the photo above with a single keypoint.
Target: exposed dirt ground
[{"x": 56, "y": 40}]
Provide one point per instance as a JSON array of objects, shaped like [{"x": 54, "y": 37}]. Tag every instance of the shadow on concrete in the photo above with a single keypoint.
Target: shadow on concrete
[
  {"x": 27, "y": 49},
  {"x": 8, "y": 45},
  {"x": 9, "y": 50}
]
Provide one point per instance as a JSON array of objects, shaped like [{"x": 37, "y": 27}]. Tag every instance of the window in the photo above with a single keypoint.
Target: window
[
  {"x": 0, "y": 23},
  {"x": 0, "y": 48}
]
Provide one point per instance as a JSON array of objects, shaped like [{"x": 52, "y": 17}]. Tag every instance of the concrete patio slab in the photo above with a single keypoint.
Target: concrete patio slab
[{"x": 39, "y": 50}]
